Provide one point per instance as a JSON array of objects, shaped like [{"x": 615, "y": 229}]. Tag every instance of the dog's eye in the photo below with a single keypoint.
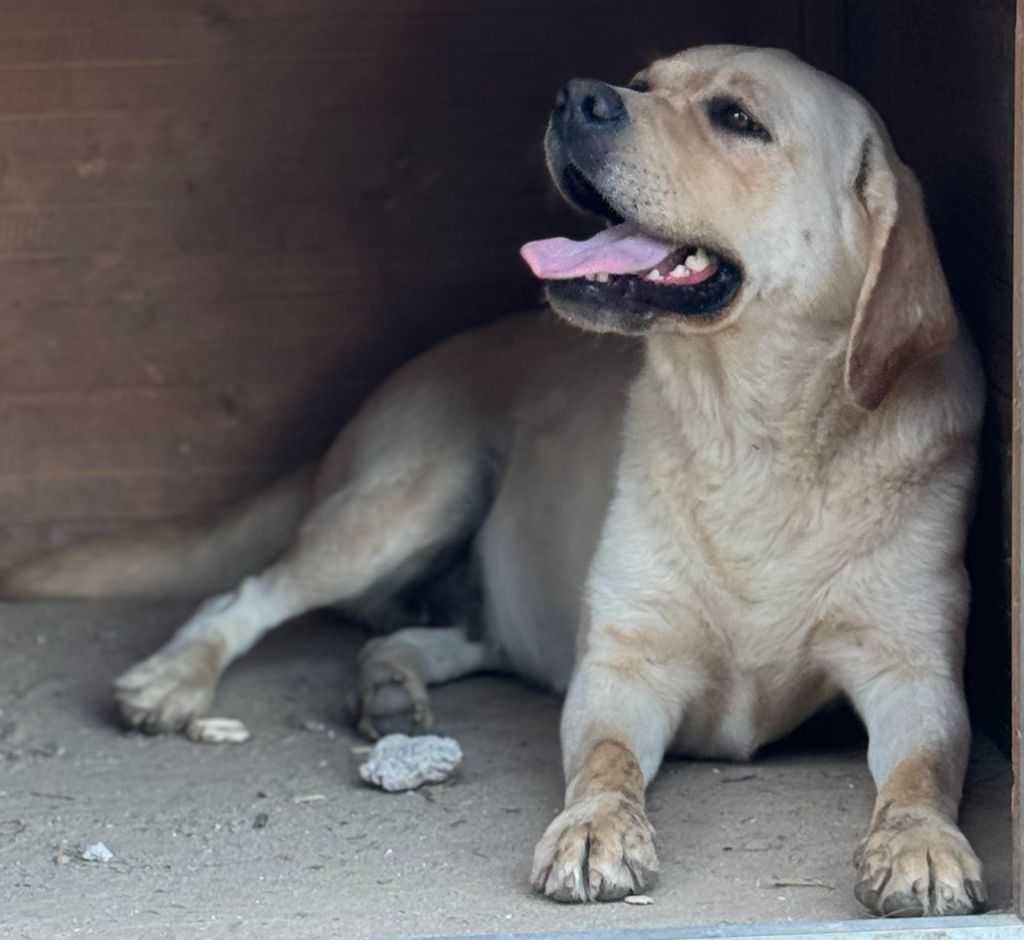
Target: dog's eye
[
  {"x": 729, "y": 115},
  {"x": 639, "y": 84}
]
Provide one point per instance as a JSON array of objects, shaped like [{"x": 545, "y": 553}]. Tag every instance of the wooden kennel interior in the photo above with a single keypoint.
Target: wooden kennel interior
[{"x": 223, "y": 221}]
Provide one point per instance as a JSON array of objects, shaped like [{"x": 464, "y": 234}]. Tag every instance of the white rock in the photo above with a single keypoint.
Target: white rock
[
  {"x": 639, "y": 899},
  {"x": 309, "y": 798},
  {"x": 217, "y": 731},
  {"x": 400, "y": 762},
  {"x": 97, "y": 852}
]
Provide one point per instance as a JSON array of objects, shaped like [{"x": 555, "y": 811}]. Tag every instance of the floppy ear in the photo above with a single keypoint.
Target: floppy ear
[{"x": 904, "y": 312}]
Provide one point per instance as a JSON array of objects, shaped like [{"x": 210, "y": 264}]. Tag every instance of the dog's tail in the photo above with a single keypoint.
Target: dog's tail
[{"x": 186, "y": 559}]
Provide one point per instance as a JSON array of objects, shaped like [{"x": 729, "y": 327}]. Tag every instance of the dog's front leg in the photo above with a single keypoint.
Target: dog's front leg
[
  {"x": 914, "y": 860},
  {"x": 622, "y": 708}
]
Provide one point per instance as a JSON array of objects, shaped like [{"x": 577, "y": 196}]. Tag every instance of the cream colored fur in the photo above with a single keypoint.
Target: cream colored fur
[{"x": 703, "y": 535}]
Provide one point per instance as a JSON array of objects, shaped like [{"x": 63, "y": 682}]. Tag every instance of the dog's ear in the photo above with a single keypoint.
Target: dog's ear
[{"x": 904, "y": 312}]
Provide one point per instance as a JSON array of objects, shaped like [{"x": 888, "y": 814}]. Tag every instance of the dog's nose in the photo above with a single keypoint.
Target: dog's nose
[{"x": 586, "y": 103}]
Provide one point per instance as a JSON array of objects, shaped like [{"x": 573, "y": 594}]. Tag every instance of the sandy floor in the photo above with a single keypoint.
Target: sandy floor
[{"x": 274, "y": 838}]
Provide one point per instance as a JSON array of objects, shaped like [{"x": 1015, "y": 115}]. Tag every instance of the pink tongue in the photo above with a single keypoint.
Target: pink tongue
[{"x": 621, "y": 249}]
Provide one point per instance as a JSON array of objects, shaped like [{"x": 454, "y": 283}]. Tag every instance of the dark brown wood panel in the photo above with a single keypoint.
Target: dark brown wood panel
[
  {"x": 941, "y": 74},
  {"x": 223, "y": 221},
  {"x": 1017, "y": 492}
]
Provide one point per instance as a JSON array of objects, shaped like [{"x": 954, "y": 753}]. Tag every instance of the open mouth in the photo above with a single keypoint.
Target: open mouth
[
  {"x": 585, "y": 195},
  {"x": 628, "y": 269}
]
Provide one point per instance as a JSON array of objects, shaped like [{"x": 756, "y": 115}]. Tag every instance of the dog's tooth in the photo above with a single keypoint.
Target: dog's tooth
[
  {"x": 655, "y": 275},
  {"x": 590, "y": 277},
  {"x": 603, "y": 278},
  {"x": 698, "y": 261},
  {"x": 680, "y": 271}
]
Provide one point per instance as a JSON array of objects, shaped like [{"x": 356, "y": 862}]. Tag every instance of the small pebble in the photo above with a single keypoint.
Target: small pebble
[
  {"x": 314, "y": 726},
  {"x": 61, "y": 858},
  {"x": 641, "y": 899},
  {"x": 261, "y": 820},
  {"x": 97, "y": 852},
  {"x": 217, "y": 731},
  {"x": 399, "y": 762}
]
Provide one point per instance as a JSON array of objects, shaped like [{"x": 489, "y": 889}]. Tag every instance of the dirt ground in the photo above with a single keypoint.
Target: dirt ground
[{"x": 275, "y": 838}]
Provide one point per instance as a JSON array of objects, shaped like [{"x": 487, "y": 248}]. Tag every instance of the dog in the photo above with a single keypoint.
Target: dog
[{"x": 734, "y": 488}]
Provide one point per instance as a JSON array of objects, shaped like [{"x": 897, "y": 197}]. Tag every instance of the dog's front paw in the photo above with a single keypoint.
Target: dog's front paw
[
  {"x": 914, "y": 863},
  {"x": 170, "y": 688},
  {"x": 600, "y": 849}
]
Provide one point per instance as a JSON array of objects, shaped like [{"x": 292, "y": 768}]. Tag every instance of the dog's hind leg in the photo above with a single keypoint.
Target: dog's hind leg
[
  {"x": 413, "y": 476},
  {"x": 395, "y": 671}
]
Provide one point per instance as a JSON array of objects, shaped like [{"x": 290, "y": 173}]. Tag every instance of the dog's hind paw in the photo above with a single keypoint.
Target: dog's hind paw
[
  {"x": 600, "y": 849},
  {"x": 391, "y": 687},
  {"x": 170, "y": 688}
]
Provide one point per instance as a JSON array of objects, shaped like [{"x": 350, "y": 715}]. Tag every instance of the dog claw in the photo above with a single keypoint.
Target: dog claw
[{"x": 903, "y": 904}]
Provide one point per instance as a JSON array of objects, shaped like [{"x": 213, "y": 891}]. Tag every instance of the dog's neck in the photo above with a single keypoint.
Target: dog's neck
[{"x": 778, "y": 390}]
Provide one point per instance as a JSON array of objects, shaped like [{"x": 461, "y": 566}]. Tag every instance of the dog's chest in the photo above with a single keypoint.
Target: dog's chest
[
  {"x": 754, "y": 548},
  {"x": 756, "y": 530}
]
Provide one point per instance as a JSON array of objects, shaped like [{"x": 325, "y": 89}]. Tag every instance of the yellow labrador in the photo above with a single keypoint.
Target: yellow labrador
[{"x": 752, "y": 503}]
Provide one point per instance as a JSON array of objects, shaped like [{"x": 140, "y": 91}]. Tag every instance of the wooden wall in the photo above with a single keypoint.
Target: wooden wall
[
  {"x": 941, "y": 74},
  {"x": 222, "y": 221}
]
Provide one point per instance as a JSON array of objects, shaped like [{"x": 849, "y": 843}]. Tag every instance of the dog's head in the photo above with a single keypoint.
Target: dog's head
[{"x": 743, "y": 185}]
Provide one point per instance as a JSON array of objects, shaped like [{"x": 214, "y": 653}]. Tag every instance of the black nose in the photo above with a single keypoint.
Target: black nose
[{"x": 584, "y": 102}]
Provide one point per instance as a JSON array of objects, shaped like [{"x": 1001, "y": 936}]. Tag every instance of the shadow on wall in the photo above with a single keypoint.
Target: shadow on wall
[
  {"x": 440, "y": 139},
  {"x": 267, "y": 215},
  {"x": 944, "y": 85}
]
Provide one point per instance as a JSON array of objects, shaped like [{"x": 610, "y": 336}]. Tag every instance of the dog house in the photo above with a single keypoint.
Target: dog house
[{"x": 222, "y": 222}]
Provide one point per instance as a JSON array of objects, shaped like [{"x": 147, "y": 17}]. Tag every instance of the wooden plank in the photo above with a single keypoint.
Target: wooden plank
[
  {"x": 136, "y": 282},
  {"x": 1017, "y": 481},
  {"x": 77, "y": 500},
  {"x": 150, "y": 158},
  {"x": 179, "y": 359},
  {"x": 745, "y": 20},
  {"x": 264, "y": 229},
  {"x": 362, "y": 31}
]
